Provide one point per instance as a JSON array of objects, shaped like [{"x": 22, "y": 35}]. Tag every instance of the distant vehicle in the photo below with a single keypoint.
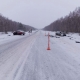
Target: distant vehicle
[
  {"x": 30, "y": 31},
  {"x": 60, "y": 33},
  {"x": 19, "y": 32},
  {"x": 63, "y": 34}
]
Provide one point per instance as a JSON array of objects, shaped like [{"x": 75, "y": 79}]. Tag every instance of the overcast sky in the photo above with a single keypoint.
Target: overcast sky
[{"x": 37, "y": 13}]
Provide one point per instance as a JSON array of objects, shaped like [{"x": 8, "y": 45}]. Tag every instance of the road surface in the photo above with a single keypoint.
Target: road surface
[
  {"x": 29, "y": 59},
  {"x": 13, "y": 54}
]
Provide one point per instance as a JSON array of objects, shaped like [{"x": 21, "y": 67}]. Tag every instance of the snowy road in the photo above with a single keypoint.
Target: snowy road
[
  {"x": 56, "y": 64},
  {"x": 13, "y": 55},
  {"x": 29, "y": 59}
]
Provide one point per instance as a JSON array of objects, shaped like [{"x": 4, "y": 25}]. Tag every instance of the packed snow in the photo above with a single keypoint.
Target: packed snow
[{"x": 27, "y": 58}]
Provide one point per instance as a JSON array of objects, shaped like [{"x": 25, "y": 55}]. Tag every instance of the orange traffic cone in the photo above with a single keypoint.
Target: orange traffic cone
[{"x": 48, "y": 42}]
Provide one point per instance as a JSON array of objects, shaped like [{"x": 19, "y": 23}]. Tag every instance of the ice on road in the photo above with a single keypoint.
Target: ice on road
[{"x": 30, "y": 59}]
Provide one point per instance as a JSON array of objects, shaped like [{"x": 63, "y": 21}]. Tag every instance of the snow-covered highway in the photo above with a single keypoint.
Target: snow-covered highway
[
  {"x": 28, "y": 59},
  {"x": 13, "y": 54}
]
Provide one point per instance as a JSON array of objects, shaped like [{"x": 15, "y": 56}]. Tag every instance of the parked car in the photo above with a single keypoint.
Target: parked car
[
  {"x": 19, "y": 32},
  {"x": 63, "y": 34},
  {"x": 60, "y": 33}
]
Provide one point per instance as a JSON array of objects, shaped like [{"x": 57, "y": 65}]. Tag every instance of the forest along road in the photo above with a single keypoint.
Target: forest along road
[{"x": 13, "y": 55}]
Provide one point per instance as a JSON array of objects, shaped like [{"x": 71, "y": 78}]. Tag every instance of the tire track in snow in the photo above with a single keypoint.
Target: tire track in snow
[
  {"x": 56, "y": 64},
  {"x": 13, "y": 57}
]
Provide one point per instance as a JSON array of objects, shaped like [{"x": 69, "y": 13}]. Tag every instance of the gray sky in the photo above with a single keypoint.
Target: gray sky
[{"x": 37, "y": 13}]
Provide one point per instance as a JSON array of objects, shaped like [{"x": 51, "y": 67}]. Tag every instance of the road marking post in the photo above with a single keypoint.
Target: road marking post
[{"x": 48, "y": 42}]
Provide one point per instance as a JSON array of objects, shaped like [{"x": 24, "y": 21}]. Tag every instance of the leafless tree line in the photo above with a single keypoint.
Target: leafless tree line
[
  {"x": 70, "y": 23},
  {"x": 9, "y": 25}
]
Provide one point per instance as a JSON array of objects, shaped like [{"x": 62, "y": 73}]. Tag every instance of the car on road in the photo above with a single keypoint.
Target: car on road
[
  {"x": 19, "y": 32},
  {"x": 60, "y": 33}
]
